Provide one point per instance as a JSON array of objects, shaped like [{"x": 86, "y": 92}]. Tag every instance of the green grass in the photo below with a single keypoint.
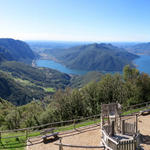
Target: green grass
[
  {"x": 16, "y": 143},
  {"x": 49, "y": 89},
  {"x": 24, "y": 82},
  {"x": 77, "y": 125},
  {"x": 13, "y": 143},
  {"x": 28, "y": 83},
  {"x": 134, "y": 111}
]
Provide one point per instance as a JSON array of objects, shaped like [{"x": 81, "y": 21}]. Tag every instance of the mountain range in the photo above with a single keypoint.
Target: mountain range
[
  {"x": 141, "y": 48},
  {"x": 94, "y": 57}
]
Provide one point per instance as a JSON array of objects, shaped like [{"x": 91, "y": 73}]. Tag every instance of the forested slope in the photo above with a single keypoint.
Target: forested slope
[
  {"x": 17, "y": 50},
  {"x": 21, "y": 83}
]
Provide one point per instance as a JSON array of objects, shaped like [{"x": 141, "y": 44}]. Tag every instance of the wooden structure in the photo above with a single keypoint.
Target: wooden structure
[
  {"x": 47, "y": 133},
  {"x": 118, "y": 132}
]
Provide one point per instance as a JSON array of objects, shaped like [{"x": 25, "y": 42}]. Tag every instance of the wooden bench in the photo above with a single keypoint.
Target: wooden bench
[{"x": 49, "y": 133}]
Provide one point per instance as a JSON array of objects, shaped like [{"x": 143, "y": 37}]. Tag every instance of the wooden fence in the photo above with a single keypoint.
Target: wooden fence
[
  {"x": 61, "y": 146},
  {"x": 127, "y": 145},
  {"x": 27, "y": 132}
]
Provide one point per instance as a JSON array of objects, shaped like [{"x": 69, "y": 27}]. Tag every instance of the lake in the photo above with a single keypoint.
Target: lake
[
  {"x": 57, "y": 66},
  {"x": 143, "y": 63}
]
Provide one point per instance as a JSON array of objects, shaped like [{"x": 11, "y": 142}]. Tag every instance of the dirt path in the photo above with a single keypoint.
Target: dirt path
[
  {"x": 144, "y": 127},
  {"x": 90, "y": 136},
  {"x": 85, "y": 136}
]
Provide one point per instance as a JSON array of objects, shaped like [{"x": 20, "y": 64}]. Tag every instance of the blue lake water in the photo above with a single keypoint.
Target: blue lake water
[
  {"x": 143, "y": 64},
  {"x": 57, "y": 66}
]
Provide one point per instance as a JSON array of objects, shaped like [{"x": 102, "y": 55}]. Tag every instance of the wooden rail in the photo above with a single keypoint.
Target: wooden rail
[
  {"x": 24, "y": 132},
  {"x": 61, "y": 145}
]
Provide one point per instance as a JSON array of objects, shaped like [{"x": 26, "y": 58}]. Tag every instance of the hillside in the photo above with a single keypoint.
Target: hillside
[
  {"x": 102, "y": 57},
  {"x": 16, "y": 50},
  {"x": 142, "y": 48},
  {"x": 80, "y": 81},
  {"x": 20, "y": 83}
]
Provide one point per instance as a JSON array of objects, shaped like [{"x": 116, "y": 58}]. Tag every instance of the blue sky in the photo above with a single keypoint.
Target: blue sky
[{"x": 75, "y": 20}]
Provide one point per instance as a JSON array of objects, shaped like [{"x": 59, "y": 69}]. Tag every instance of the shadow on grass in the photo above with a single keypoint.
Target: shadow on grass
[{"x": 12, "y": 144}]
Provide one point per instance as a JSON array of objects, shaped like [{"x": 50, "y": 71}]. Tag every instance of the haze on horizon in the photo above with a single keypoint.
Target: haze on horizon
[{"x": 75, "y": 20}]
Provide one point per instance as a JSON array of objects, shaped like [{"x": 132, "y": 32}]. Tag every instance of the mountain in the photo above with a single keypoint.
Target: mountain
[
  {"x": 142, "y": 48},
  {"x": 39, "y": 46},
  {"x": 20, "y": 83},
  {"x": 101, "y": 57},
  {"x": 15, "y": 50}
]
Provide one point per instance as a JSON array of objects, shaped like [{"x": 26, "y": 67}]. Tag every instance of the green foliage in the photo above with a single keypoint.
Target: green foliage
[
  {"x": 49, "y": 89},
  {"x": 130, "y": 88},
  {"x": 80, "y": 81}
]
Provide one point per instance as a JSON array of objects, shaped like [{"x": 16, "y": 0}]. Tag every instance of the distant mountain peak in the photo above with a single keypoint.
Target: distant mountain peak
[{"x": 17, "y": 50}]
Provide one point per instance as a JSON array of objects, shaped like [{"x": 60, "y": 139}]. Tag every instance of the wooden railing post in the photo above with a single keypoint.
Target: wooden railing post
[
  {"x": 74, "y": 122},
  {"x": 26, "y": 132},
  {"x": 0, "y": 137},
  {"x": 94, "y": 118},
  {"x": 123, "y": 127},
  {"x": 136, "y": 123},
  {"x": 102, "y": 121},
  {"x": 60, "y": 144}
]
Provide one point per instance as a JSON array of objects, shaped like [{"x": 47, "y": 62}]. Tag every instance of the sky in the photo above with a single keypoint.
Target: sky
[{"x": 76, "y": 20}]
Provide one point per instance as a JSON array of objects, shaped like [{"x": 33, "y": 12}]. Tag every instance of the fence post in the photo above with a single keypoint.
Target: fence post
[
  {"x": 136, "y": 121},
  {"x": 123, "y": 126},
  {"x": 102, "y": 121},
  {"x": 146, "y": 104},
  {"x": 0, "y": 137},
  {"x": 60, "y": 145},
  {"x": 94, "y": 118},
  {"x": 26, "y": 131},
  {"x": 74, "y": 121}
]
